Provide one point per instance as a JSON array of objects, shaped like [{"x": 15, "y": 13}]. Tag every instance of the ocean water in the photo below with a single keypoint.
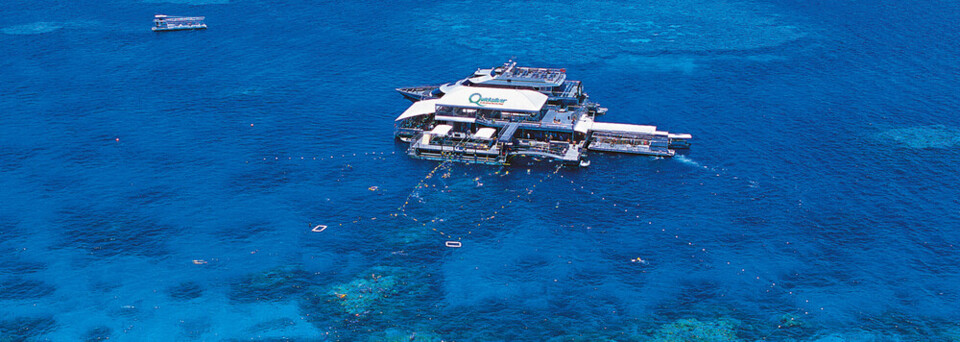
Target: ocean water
[{"x": 175, "y": 186}]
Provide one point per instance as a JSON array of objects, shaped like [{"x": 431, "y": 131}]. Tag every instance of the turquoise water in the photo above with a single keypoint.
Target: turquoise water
[{"x": 166, "y": 187}]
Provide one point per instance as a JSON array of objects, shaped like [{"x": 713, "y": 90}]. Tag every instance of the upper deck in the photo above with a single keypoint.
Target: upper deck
[
  {"x": 510, "y": 75},
  {"x": 549, "y": 81}
]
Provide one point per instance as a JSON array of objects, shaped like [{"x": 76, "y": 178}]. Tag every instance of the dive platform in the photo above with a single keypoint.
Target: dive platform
[{"x": 500, "y": 114}]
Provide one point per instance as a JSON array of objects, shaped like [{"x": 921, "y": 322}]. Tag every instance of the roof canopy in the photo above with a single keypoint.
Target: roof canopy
[
  {"x": 455, "y": 119},
  {"x": 494, "y": 98},
  {"x": 441, "y": 130},
  {"x": 418, "y": 108},
  {"x": 583, "y": 124},
  {"x": 607, "y": 127},
  {"x": 485, "y": 133}
]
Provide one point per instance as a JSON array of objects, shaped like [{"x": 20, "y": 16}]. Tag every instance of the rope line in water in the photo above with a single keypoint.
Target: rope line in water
[{"x": 769, "y": 285}]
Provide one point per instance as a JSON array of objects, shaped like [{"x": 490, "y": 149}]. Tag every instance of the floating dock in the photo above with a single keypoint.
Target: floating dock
[{"x": 499, "y": 114}]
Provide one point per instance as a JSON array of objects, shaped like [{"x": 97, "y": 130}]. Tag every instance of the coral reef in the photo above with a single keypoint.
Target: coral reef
[
  {"x": 790, "y": 321},
  {"x": 371, "y": 305},
  {"x": 185, "y": 291},
  {"x": 693, "y": 330},
  {"x": 19, "y": 288},
  {"x": 20, "y": 267},
  {"x": 276, "y": 324},
  {"x": 277, "y": 284},
  {"x": 359, "y": 296},
  {"x": 108, "y": 232},
  {"x": 951, "y": 334},
  {"x": 404, "y": 335},
  {"x": 25, "y": 328},
  {"x": 861, "y": 336},
  {"x": 99, "y": 333}
]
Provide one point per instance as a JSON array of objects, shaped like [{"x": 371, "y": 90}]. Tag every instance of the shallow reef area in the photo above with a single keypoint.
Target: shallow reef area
[
  {"x": 276, "y": 284},
  {"x": 359, "y": 296},
  {"x": 25, "y": 328},
  {"x": 694, "y": 330}
]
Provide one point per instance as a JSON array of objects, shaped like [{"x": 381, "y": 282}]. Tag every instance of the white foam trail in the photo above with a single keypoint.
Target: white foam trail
[
  {"x": 688, "y": 161},
  {"x": 39, "y": 27}
]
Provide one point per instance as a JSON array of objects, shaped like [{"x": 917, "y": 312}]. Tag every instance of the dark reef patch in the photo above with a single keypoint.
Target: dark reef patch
[
  {"x": 8, "y": 228},
  {"x": 17, "y": 267},
  {"x": 266, "y": 177},
  {"x": 98, "y": 333},
  {"x": 108, "y": 233},
  {"x": 245, "y": 233},
  {"x": 25, "y": 328},
  {"x": 277, "y": 284},
  {"x": 185, "y": 291},
  {"x": 272, "y": 325},
  {"x": 19, "y": 288}
]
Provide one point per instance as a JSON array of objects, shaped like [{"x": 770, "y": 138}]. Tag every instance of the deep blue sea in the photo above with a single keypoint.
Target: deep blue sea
[{"x": 173, "y": 186}]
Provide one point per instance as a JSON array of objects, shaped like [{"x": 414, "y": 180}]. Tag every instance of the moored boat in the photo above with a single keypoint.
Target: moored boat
[{"x": 163, "y": 22}]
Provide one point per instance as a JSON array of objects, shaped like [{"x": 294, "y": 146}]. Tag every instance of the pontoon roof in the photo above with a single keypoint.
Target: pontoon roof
[
  {"x": 419, "y": 108},
  {"x": 623, "y": 128},
  {"x": 494, "y": 98},
  {"x": 485, "y": 133},
  {"x": 583, "y": 124},
  {"x": 441, "y": 130}
]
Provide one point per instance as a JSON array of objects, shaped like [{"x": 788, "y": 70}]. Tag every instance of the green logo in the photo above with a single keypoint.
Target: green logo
[{"x": 481, "y": 101}]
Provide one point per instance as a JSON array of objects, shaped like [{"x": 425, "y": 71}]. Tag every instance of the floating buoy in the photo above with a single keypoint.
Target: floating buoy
[
  {"x": 453, "y": 244},
  {"x": 319, "y": 228}
]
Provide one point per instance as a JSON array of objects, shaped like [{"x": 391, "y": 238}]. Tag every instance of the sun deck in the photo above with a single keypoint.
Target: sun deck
[
  {"x": 441, "y": 144},
  {"x": 513, "y": 76}
]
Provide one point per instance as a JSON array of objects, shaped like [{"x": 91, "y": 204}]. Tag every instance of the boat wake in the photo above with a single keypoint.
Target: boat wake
[
  {"x": 921, "y": 137},
  {"x": 686, "y": 160},
  {"x": 39, "y": 27}
]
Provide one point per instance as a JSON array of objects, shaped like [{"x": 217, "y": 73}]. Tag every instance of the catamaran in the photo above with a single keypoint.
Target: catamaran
[{"x": 499, "y": 114}]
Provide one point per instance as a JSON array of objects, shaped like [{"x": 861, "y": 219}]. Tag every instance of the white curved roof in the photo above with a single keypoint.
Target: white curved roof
[
  {"x": 494, "y": 98},
  {"x": 480, "y": 79},
  {"x": 485, "y": 133},
  {"x": 583, "y": 124},
  {"x": 441, "y": 130},
  {"x": 419, "y": 108},
  {"x": 455, "y": 119},
  {"x": 623, "y": 128}
]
